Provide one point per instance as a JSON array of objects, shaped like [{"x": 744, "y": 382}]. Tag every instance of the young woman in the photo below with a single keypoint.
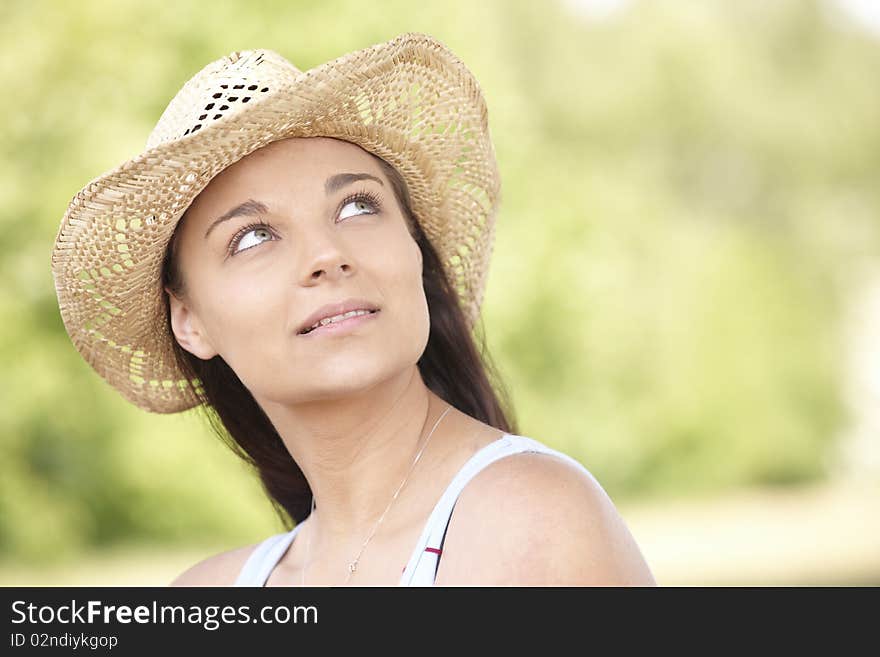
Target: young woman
[{"x": 308, "y": 265}]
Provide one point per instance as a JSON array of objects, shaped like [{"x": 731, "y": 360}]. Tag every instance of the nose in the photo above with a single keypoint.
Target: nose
[{"x": 325, "y": 258}]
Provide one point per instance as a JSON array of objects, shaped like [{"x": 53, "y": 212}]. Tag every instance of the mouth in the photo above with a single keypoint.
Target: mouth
[{"x": 340, "y": 322}]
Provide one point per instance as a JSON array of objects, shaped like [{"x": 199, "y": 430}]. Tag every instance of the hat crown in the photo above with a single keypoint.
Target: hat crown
[{"x": 222, "y": 88}]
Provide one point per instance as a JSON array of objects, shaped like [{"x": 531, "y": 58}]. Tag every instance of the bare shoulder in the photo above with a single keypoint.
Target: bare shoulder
[
  {"x": 534, "y": 519},
  {"x": 218, "y": 570}
]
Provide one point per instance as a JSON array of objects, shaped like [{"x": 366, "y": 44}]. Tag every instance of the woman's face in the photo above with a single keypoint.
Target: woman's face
[{"x": 322, "y": 226}]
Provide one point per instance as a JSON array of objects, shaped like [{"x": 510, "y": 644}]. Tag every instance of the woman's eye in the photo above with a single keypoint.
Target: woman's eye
[
  {"x": 252, "y": 238},
  {"x": 362, "y": 206}
]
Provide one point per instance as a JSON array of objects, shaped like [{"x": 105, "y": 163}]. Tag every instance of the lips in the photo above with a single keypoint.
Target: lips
[
  {"x": 331, "y": 309},
  {"x": 343, "y": 326}
]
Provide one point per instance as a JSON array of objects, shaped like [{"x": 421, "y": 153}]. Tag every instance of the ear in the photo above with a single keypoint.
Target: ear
[{"x": 188, "y": 330}]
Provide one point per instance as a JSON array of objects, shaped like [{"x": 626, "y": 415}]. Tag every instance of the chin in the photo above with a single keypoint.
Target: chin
[{"x": 328, "y": 383}]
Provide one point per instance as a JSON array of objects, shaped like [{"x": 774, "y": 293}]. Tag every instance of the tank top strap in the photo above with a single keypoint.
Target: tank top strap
[
  {"x": 264, "y": 558},
  {"x": 422, "y": 566}
]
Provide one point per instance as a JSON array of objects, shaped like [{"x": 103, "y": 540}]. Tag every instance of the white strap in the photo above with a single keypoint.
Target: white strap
[{"x": 264, "y": 558}]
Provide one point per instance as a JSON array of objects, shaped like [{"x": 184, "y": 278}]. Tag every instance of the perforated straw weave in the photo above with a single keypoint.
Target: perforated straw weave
[{"x": 410, "y": 101}]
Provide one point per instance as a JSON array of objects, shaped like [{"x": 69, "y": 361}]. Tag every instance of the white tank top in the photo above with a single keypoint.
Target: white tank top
[{"x": 422, "y": 565}]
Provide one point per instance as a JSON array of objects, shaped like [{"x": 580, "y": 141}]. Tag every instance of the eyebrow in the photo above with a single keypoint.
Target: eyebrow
[{"x": 251, "y": 207}]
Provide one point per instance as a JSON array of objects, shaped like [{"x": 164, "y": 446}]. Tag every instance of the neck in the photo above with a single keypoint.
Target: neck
[{"x": 356, "y": 450}]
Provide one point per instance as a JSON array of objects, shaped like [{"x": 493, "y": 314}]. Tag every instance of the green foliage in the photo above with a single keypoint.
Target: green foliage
[{"x": 686, "y": 188}]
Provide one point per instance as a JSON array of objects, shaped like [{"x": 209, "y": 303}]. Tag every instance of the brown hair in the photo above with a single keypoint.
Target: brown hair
[{"x": 452, "y": 366}]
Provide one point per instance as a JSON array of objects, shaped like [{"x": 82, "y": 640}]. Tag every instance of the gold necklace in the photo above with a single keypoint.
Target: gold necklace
[{"x": 352, "y": 567}]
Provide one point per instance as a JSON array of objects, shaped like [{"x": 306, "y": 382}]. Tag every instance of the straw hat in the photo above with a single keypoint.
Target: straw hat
[{"x": 410, "y": 101}]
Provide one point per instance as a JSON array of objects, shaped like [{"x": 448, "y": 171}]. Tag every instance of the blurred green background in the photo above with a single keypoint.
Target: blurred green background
[{"x": 683, "y": 295}]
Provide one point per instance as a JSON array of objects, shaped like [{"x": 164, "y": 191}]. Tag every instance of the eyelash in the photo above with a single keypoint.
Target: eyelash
[{"x": 362, "y": 195}]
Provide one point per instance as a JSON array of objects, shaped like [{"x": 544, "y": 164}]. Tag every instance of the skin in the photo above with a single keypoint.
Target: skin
[{"x": 353, "y": 409}]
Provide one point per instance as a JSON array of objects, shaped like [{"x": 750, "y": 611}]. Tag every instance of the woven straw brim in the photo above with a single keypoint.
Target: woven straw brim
[{"x": 410, "y": 101}]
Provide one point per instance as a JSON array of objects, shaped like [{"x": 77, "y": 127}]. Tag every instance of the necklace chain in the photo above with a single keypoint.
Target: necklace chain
[{"x": 352, "y": 567}]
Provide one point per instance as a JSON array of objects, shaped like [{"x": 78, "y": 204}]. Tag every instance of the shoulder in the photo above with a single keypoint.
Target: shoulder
[
  {"x": 535, "y": 519},
  {"x": 218, "y": 570}
]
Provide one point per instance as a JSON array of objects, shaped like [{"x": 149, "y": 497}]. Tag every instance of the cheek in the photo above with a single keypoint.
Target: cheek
[
  {"x": 392, "y": 261},
  {"x": 409, "y": 294},
  {"x": 247, "y": 319}
]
